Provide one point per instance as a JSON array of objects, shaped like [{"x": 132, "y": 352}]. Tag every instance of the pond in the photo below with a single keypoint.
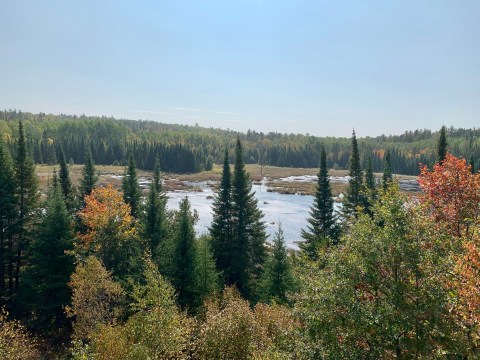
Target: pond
[{"x": 291, "y": 211}]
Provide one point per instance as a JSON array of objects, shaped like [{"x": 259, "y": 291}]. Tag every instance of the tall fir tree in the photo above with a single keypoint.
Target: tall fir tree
[
  {"x": 277, "y": 280},
  {"x": 90, "y": 177},
  {"x": 183, "y": 272},
  {"x": 45, "y": 289},
  {"x": 8, "y": 214},
  {"x": 221, "y": 227},
  {"x": 66, "y": 182},
  {"x": 354, "y": 198},
  {"x": 387, "y": 170},
  {"x": 248, "y": 232},
  {"x": 207, "y": 277},
  {"x": 27, "y": 197},
  {"x": 157, "y": 177},
  {"x": 130, "y": 187},
  {"x": 154, "y": 224},
  {"x": 370, "y": 191},
  {"x": 442, "y": 144},
  {"x": 472, "y": 164},
  {"x": 322, "y": 230}
]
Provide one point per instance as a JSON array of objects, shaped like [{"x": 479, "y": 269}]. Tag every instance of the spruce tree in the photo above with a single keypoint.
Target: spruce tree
[
  {"x": 248, "y": 232},
  {"x": 8, "y": 214},
  {"x": 370, "y": 192},
  {"x": 354, "y": 197},
  {"x": 207, "y": 278},
  {"x": 66, "y": 182},
  {"x": 27, "y": 197},
  {"x": 45, "y": 289},
  {"x": 154, "y": 223},
  {"x": 387, "y": 170},
  {"x": 322, "y": 230},
  {"x": 183, "y": 271},
  {"x": 472, "y": 164},
  {"x": 130, "y": 187},
  {"x": 157, "y": 178},
  {"x": 221, "y": 227},
  {"x": 90, "y": 176},
  {"x": 277, "y": 280},
  {"x": 442, "y": 144}
]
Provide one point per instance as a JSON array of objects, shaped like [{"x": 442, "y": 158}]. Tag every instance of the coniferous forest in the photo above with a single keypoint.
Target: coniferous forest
[
  {"x": 90, "y": 272},
  {"x": 188, "y": 149}
]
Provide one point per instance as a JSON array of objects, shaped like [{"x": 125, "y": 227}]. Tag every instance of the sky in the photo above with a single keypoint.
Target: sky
[{"x": 319, "y": 67}]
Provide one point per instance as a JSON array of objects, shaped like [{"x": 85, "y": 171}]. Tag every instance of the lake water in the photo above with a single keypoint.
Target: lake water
[{"x": 291, "y": 210}]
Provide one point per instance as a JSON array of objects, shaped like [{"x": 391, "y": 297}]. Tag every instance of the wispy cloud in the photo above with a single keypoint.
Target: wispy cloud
[
  {"x": 150, "y": 112},
  {"x": 223, "y": 112},
  {"x": 188, "y": 109}
]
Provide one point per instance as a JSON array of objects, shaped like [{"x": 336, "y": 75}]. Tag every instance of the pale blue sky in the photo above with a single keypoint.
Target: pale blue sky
[{"x": 321, "y": 67}]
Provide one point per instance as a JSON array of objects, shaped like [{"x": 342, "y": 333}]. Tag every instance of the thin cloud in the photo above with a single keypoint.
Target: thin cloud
[
  {"x": 188, "y": 109},
  {"x": 223, "y": 112},
  {"x": 150, "y": 112}
]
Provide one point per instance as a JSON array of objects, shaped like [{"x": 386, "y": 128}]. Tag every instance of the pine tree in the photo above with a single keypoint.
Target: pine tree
[
  {"x": 277, "y": 280},
  {"x": 248, "y": 232},
  {"x": 8, "y": 215},
  {"x": 130, "y": 187},
  {"x": 370, "y": 191},
  {"x": 66, "y": 182},
  {"x": 45, "y": 280},
  {"x": 472, "y": 164},
  {"x": 154, "y": 223},
  {"x": 90, "y": 176},
  {"x": 221, "y": 228},
  {"x": 27, "y": 197},
  {"x": 442, "y": 144},
  {"x": 387, "y": 170},
  {"x": 157, "y": 178},
  {"x": 354, "y": 198},
  {"x": 207, "y": 279},
  {"x": 183, "y": 272},
  {"x": 322, "y": 230}
]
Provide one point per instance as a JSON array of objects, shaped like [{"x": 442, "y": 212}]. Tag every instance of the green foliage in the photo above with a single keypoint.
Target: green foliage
[
  {"x": 221, "y": 227},
  {"x": 90, "y": 177},
  {"x": 8, "y": 216},
  {"x": 381, "y": 294},
  {"x": 66, "y": 182},
  {"x": 354, "y": 199},
  {"x": 277, "y": 279},
  {"x": 442, "y": 144},
  {"x": 130, "y": 187},
  {"x": 387, "y": 170},
  {"x": 207, "y": 278},
  {"x": 322, "y": 230},
  {"x": 248, "y": 232},
  {"x": 183, "y": 271},
  {"x": 50, "y": 264}
]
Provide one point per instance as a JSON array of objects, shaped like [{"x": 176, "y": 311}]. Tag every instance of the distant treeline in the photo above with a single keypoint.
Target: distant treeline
[{"x": 184, "y": 148}]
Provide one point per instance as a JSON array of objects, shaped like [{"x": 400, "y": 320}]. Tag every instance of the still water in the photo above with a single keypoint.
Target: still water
[{"x": 291, "y": 211}]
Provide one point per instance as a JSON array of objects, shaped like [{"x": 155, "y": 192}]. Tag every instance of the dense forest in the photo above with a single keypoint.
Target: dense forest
[
  {"x": 96, "y": 272},
  {"x": 193, "y": 148}
]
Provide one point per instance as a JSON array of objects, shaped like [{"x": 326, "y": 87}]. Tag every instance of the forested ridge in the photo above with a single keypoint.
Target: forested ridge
[{"x": 183, "y": 148}]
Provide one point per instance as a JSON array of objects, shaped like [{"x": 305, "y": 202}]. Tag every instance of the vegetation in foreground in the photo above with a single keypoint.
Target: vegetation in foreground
[{"x": 98, "y": 273}]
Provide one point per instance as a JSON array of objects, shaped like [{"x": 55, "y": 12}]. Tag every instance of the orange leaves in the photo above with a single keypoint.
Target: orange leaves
[
  {"x": 106, "y": 216},
  {"x": 453, "y": 193}
]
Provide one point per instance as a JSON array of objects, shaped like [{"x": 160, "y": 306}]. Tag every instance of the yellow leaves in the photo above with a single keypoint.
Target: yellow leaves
[
  {"x": 15, "y": 342},
  {"x": 105, "y": 215}
]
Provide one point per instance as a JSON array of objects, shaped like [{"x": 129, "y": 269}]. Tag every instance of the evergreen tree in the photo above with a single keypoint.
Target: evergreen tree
[
  {"x": 27, "y": 197},
  {"x": 442, "y": 144},
  {"x": 66, "y": 182},
  {"x": 154, "y": 224},
  {"x": 387, "y": 170},
  {"x": 157, "y": 179},
  {"x": 322, "y": 230},
  {"x": 221, "y": 228},
  {"x": 354, "y": 197},
  {"x": 472, "y": 165},
  {"x": 130, "y": 187},
  {"x": 8, "y": 215},
  {"x": 207, "y": 279},
  {"x": 183, "y": 272},
  {"x": 248, "y": 232},
  {"x": 50, "y": 264},
  {"x": 370, "y": 192},
  {"x": 277, "y": 280},
  {"x": 90, "y": 176}
]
